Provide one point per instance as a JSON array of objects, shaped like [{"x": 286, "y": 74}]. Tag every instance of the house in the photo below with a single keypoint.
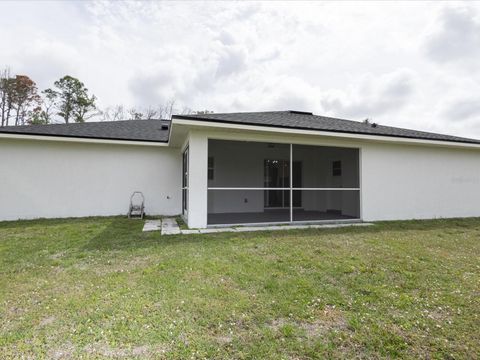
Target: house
[{"x": 238, "y": 168}]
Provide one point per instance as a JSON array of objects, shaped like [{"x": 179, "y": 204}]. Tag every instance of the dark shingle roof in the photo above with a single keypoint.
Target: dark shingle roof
[
  {"x": 308, "y": 121},
  {"x": 159, "y": 130},
  {"x": 130, "y": 130}
]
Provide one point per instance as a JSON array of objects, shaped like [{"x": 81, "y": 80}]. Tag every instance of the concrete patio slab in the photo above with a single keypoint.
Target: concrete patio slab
[
  {"x": 295, "y": 227},
  {"x": 170, "y": 227},
  {"x": 332, "y": 226},
  {"x": 152, "y": 225},
  {"x": 216, "y": 230},
  {"x": 262, "y": 228},
  {"x": 189, "y": 231}
]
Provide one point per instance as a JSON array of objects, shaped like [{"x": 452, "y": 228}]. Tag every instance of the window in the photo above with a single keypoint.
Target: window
[
  {"x": 210, "y": 167},
  {"x": 337, "y": 168}
]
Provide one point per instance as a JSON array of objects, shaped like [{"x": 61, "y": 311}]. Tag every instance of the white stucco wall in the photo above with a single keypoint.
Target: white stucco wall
[
  {"x": 66, "y": 179},
  {"x": 419, "y": 182},
  {"x": 197, "y": 180},
  {"x": 59, "y": 179}
]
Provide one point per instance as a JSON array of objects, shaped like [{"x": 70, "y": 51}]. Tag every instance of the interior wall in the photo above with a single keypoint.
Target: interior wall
[{"x": 55, "y": 179}]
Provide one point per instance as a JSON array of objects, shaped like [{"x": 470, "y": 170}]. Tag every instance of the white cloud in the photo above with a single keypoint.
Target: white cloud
[
  {"x": 457, "y": 36},
  {"x": 463, "y": 109},
  {"x": 404, "y": 64},
  {"x": 372, "y": 96}
]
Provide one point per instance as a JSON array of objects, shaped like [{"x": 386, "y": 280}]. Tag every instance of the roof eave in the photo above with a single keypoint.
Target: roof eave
[{"x": 81, "y": 139}]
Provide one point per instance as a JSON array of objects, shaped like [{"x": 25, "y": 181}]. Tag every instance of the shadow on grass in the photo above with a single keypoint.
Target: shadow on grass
[
  {"x": 12, "y": 224},
  {"x": 120, "y": 234},
  {"x": 433, "y": 224},
  {"x": 115, "y": 233},
  {"x": 126, "y": 234}
]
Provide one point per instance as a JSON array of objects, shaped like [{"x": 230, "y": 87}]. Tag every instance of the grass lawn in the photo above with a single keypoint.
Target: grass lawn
[{"x": 99, "y": 287}]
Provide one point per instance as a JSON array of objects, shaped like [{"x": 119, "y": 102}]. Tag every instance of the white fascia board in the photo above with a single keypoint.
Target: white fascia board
[
  {"x": 79, "y": 140},
  {"x": 355, "y": 136}
]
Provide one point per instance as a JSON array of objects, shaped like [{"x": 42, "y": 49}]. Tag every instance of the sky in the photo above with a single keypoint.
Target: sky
[{"x": 407, "y": 64}]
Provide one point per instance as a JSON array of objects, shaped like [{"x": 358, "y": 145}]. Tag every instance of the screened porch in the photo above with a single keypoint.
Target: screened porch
[{"x": 257, "y": 182}]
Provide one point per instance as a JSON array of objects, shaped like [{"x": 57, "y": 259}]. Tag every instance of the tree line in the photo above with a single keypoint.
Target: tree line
[
  {"x": 165, "y": 111},
  {"x": 21, "y": 103}
]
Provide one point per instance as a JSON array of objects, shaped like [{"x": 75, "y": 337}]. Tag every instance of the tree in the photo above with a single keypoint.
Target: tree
[
  {"x": 18, "y": 98},
  {"x": 114, "y": 113},
  {"x": 46, "y": 112},
  {"x": 165, "y": 111},
  {"x": 38, "y": 117},
  {"x": 135, "y": 114},
  {"x": 150, "y": 113},
  {"x": 6, "y": 98},
  {"x": 25, "y": 98},
  {"x": 72, "y": 100}
]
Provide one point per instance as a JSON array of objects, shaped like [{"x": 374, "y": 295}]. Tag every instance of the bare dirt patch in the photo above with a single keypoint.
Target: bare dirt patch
[
  {"x": 116, "y": 265},
  {"x": 142, "y": 352},
  {"x": 224, "y": 340},
  {"x": 65, "y": 351},
  {"x": 47, "y": 321},
  {"x": 329, "y": 319},
  {"x": 58, "y": 255},
  {"x": 277, "y": 324}
]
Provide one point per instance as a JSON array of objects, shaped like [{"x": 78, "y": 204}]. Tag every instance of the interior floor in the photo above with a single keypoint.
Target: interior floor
[{"x": 278, "y": 215}]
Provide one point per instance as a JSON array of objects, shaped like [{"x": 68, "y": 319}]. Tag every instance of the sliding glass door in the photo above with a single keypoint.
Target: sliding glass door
[{"x": 277, "y": 175}]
